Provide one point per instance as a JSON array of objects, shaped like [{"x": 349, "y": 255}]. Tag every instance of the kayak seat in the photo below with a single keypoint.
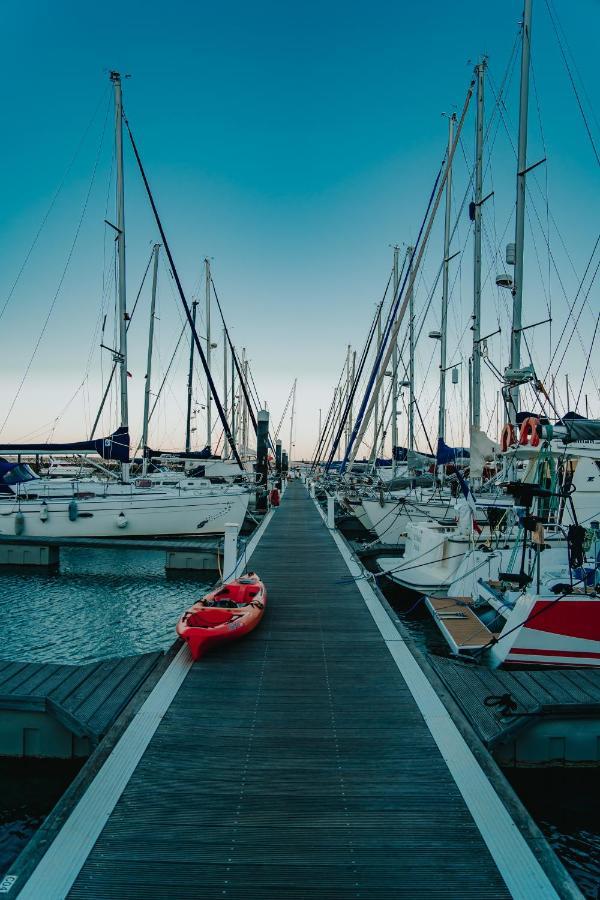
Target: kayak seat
[{"x": 209, "y": 618}]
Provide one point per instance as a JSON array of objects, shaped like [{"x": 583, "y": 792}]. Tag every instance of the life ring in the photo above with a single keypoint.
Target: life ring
[
  {"x": 529, "y": 436},
  {"x": 508, "y": 437}
]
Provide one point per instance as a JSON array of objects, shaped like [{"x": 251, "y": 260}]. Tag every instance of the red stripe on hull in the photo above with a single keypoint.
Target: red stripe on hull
[
  {"x": 574, "y": 653},
  {"x": 572, "y": 618}
]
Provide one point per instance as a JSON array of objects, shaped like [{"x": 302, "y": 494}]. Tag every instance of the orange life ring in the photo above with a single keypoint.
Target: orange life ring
[
  {"x": 508, "y": 437},
  {"x": 529, "y": 436}
]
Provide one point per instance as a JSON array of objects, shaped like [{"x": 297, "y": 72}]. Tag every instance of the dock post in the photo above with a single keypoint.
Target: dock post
[
  {"x": 278, "y": 458},
  {"x": 284, "y": 469},
  {"x": 230, "y": 549},
  {"x": 262, "y": 466},
  {"x": 312, "y": 489},
  {"x": 331, "y": 511}
]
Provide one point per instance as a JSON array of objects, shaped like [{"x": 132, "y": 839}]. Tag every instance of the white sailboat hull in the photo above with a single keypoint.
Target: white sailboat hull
[{"x": 138, "y": 515}]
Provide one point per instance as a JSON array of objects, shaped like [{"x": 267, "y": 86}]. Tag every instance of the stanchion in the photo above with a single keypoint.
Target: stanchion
[
  {"x": 330, "y": 511},
  {"x": 230, "y": 548}
]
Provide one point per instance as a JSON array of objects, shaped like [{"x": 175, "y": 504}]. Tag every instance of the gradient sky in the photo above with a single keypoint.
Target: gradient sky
[{"x": 293, "y": 144}]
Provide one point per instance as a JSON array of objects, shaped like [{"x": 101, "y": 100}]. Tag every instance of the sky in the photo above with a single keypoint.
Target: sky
[{"x": 293, "y": 145}]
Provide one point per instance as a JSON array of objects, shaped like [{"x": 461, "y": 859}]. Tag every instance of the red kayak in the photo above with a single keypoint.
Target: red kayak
[{"x": 225, "y": 614}]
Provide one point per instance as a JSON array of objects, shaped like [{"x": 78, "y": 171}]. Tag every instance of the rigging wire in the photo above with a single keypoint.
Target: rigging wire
[
  {"x": 55, "y": 197},
  {"x": 62, "y": 277},
  {"x": 209, "y": 377},
  {"x": 551, "y": 15}
]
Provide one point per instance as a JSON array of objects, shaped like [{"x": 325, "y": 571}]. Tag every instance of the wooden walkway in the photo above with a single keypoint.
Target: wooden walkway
[{"x": 295, "y": 763}]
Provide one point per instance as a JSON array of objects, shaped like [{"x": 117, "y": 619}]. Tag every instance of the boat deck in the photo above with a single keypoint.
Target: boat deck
[
  {"x": 310, "y": 760},
  {"x": 461, "y": 627}
]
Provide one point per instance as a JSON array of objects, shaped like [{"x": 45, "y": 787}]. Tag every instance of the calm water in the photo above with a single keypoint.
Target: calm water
[{"x": 101, "y": 604}]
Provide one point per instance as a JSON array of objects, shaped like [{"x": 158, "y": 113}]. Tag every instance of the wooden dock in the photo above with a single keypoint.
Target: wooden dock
[
  {"x": 313, "y": 759},
  {"x": 64, "y": 711}
]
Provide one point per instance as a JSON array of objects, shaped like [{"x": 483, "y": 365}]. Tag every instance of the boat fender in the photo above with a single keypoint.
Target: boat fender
[
  {"x": 508, "y": 437},
  {"x": 73, "y": 509},
  {"x": 529, "y": 436},
  {"x": 122, "y": 520},
  {"x": 19, "y": 522},
  {"x": 44, "y": 511}
]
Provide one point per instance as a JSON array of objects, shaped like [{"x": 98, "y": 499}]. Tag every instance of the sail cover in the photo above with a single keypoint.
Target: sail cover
[
  {"x": 573, "y": 428},
  {"x": 115, "y": 447},
  {"x": 181, "y": 454},
  {"x": 15, "y": 473},
  {"x": 446, "y": 454}
]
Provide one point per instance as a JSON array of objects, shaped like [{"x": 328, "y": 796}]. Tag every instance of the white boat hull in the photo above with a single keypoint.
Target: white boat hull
[{"x": 138, "y": 515}]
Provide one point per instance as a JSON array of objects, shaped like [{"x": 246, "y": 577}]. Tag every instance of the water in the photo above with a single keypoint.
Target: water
[
  {"x": 565, "y": 803},
  {"x": 102, "y": 603}
]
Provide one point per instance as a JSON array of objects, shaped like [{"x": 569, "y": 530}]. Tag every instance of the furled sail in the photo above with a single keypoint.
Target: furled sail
[{"x": 115, "y": 447}]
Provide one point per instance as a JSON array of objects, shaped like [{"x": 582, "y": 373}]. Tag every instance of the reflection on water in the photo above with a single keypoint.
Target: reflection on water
[{"x": 103, "y": 603}]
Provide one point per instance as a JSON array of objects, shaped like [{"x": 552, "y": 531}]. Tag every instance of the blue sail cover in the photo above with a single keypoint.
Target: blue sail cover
[
  {"x": 115, "y": 447},
  {"x": 446, "y": 454},
  {"x": 15, "y": 473},
  {"x": 182, "y": 454}
]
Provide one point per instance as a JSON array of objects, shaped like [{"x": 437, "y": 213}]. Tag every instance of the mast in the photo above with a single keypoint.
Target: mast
[
  {"x": 396, "y": 280},
  {"x": 351, "y": 410},
  {"x": 347, "y": 395},
  {"x": 233, "y": 418},
  {"x": 290, "y": 457},
  {"x": 476, "y": 365},
  {"x": 115, "y": 77},
  {"x": 188, "y": 424},
  {"x": 208, "y": 354},
  {"x": 444, "y": 329},
  {"x": 411, "y": 357},
  {"x": 244, "y": 405},
  {"x": 225, "y": 385},
  {"x": 376, "y": 409},
  {"x": 515, "y": 348},
  {"x": 149, "y": 362}
]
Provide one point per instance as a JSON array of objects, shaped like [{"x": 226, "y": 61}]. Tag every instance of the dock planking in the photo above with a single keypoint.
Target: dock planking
[{"x": 294, "y": 763}]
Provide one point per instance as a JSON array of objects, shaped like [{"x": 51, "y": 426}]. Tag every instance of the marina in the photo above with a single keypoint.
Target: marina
[
  {"x": 311, "y": 670},
  {"x": 300, "y": 453}
]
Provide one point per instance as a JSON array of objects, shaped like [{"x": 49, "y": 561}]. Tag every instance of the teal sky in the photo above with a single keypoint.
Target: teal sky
[{"x": 293, "y": 145}]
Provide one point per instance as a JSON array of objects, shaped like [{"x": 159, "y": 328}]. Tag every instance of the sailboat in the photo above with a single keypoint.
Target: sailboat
[
  {"x": 108, "y": 508},
  {"x": 533, "y": 598}
]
